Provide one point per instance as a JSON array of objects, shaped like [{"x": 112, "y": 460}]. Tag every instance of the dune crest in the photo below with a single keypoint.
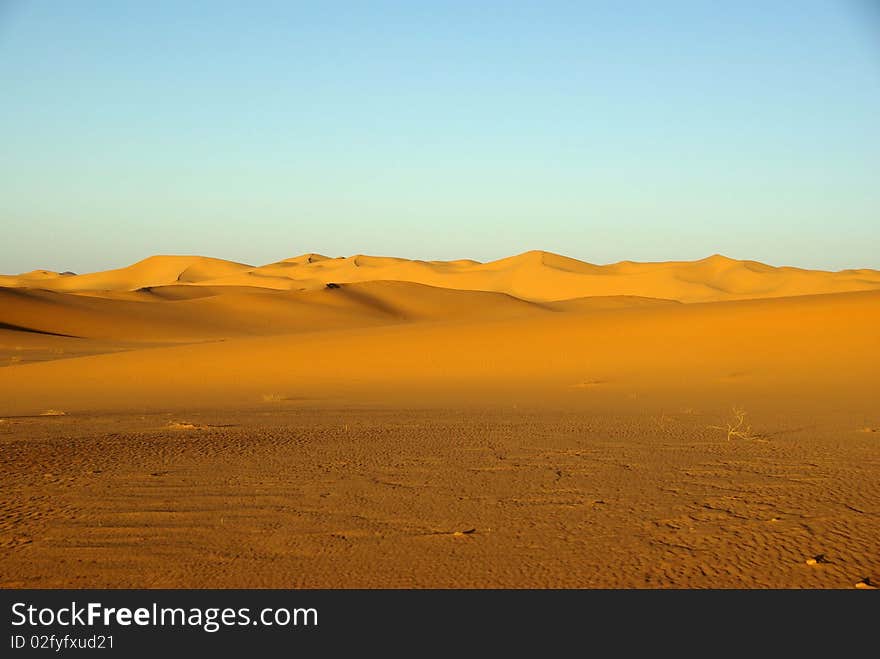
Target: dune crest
[{"x": 534, "y": 276}]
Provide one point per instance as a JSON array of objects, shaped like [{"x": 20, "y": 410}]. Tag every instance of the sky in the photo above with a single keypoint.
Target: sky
[{"x": 605, "y": 131}]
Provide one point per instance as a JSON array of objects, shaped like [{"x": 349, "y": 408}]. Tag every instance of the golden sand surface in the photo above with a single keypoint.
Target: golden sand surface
[{"x": 535, "y": 421}]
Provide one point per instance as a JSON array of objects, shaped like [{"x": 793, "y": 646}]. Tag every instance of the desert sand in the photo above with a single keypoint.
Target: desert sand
[{"x": 535, "y": 421}]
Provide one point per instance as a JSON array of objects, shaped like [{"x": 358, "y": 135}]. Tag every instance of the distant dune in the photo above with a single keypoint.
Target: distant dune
[
  {"x": 375, "y": 328},
  {"x": 533, "y": 276}
]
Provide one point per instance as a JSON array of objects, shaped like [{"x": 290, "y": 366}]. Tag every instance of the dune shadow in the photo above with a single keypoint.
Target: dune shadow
[{"x": 22, "y": 328}]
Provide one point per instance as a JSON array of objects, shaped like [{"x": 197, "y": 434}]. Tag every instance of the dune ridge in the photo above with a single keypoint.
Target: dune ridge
[
  {"x": 390, "y": 328},
  {"x": 534, "y": 276},
  {"x": 824, "y": 346}
]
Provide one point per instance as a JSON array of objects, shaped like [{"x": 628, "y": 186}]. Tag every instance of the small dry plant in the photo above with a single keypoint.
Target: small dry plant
[{"x": 736, "y": 427}]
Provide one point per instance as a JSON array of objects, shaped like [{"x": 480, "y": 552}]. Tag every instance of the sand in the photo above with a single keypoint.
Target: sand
[
  {"x": 534, "y": 276},
  {"x": 530, "y": 422}
]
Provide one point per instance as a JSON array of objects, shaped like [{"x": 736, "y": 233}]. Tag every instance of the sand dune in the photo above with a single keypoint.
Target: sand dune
[
  {"x": 152, "y": 271},
  {"x": 189, "y": 313},
  {"x": 534, "y": 276},
  {"x": 534, "y": 421},
  {"x": 397, "y": 329},
  {"x": 819, "y": 347}
]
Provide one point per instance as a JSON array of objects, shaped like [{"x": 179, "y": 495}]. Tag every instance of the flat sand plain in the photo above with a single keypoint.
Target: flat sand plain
[{"x": 531, "y": 422}]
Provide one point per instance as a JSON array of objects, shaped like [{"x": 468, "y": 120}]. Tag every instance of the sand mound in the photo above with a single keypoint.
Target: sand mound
[
  {"x": 533, "y": 276},
  {"x": 457, "y": 328},
  {"x": 152, "y": 271},
  {"x": 182, "y": 313},
  {"x": 821, "y": 348}
]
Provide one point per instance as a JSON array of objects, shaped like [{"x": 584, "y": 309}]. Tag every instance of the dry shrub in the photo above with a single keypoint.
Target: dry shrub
[{"x": 736, "y": 427}]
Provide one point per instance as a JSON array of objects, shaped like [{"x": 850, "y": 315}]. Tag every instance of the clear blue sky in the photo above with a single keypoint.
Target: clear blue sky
[{"x": 256, "y": 131}]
